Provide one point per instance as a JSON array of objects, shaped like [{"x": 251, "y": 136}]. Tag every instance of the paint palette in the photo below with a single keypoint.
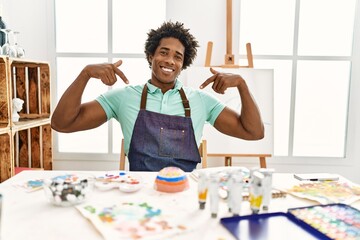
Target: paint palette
[
  {"x": 276, "y": 225},
  {"x": 123, "y": 180},
  {"x": 337, "y": 221},
  {"x": 331, "y": 221}
]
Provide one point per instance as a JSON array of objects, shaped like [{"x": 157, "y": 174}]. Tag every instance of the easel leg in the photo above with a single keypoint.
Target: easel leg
[
  {"x": 262, "y": 162},
  {"x": 228, "y": 161}
]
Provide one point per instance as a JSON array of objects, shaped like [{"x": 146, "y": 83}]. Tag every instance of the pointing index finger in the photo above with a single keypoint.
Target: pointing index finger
[
  {"x": 119, "y": 72},
  {"x": 210, "y": 79},
  {"x": 213, "y": 71},
  {"x": 118, "y": 63}
]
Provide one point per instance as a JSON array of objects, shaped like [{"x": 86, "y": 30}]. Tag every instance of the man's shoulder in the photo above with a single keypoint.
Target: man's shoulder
[
  {"x": 191, "y": 91},
  {"x": 129, "y": 89}
]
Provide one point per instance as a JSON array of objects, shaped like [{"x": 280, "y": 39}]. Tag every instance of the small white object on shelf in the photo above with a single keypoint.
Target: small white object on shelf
[{"x": 17, "y": 107}]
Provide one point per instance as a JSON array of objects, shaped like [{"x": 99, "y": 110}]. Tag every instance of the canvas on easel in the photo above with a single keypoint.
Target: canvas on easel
[{"x": 260, "y": 83}]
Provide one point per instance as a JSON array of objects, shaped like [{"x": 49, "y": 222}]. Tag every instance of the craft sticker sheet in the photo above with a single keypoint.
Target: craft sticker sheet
[
  {"x": 132, "y": 220},
  {"x": 326, "y": 192},
  {"x": 31, "y": 185}
]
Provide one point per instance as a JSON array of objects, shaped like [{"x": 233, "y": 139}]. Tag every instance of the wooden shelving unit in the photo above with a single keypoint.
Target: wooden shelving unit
[{"x": 28, "y": 142}]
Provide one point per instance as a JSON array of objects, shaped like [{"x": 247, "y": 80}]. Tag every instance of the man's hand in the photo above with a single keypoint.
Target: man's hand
[
  {"x": 106, "y": 72},
  {"x": 222, "y": 81}
]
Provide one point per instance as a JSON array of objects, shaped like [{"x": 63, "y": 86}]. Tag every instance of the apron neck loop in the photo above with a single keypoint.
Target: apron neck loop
[
  {"x": 185, "y": 101},
  {"x": 143, "y": 97}
]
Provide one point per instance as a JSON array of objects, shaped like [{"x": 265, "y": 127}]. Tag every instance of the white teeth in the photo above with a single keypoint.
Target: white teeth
[{"x": 166, "y": 69}]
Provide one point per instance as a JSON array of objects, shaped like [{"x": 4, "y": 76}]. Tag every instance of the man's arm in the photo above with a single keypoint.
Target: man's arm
[
  {"x": 245, "y": 125},
  {"x": 70, "y": 115}
]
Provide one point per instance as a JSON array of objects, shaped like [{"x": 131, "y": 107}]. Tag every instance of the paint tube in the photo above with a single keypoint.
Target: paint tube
[
  {"x": 202, "y": 189},
  {"x": 214, "y": 183},
  {"x": 256, "y": 191},
  {"x": 267, "y": 187},
  {"x": 235, "y": 193}
]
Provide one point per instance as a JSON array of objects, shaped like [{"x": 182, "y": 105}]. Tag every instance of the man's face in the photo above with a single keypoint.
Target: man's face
[{"x": 167, "y": 62}]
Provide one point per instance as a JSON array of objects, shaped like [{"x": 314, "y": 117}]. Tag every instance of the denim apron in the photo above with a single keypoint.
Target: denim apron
[{"x": 161, "y": 140}]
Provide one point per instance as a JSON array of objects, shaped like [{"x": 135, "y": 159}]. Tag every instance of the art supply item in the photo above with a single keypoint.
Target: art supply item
[
  {"x": 68, "y": 189},
  {"x": 272, "y": 226},
  {"x": 171, "y": 180},
  {"x": 256, "y": 191},
  {"x": 275, "y": 193},
  {"x": 31, "y": 185},
  {"x": 224, "y": 177},
  {"x": 134, "y": 220},
  {"x": 326, "y": 192},
  {"x": 124, "y": 181},
  {"x": 337, "y": 221},
  {"x": 202, "y": 189},
  {"x": 267, "y": 187},
  {"x": 316, "y": 176},
  {"x": 235, "y": 193},
  {"x": 214, "y": 182}
]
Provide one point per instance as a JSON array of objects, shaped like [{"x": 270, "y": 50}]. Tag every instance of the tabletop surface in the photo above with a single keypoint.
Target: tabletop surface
[{"x": 29, "y": 215}]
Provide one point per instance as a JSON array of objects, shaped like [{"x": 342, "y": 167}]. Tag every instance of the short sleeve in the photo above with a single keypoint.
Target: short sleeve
[
  {"x": 110, "y": 102},
  {"x": 213, "y": 106}
]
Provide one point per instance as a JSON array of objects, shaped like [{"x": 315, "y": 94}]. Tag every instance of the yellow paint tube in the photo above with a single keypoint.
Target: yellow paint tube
[{"x": 256, "y": 191}]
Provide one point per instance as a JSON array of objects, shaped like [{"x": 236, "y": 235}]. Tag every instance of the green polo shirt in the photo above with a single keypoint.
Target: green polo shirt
[{"x": 123, "y": 104}]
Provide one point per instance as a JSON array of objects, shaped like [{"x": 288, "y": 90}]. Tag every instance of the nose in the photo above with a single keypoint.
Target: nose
[{"x": 170, "y": 60}]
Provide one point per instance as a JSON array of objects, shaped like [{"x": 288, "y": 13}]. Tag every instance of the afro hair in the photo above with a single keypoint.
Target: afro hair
[{"x": 172, "y": 30}]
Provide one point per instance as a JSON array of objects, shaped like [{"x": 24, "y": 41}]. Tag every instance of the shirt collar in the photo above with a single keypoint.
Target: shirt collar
[{"x": 152, "y": 88}]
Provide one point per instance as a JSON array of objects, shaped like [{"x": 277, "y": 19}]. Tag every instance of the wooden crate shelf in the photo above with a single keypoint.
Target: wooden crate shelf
[
  {"x": 33, "y": 147},
  {"x": 6, "y": 155},
  {"x": 26, "y": 124},
  {"x": 28, "y": 142},
  {"x": 4, "y": 94}
]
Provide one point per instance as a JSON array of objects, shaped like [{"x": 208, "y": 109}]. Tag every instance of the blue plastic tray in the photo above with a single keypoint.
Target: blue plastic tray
[{"x": 272, "y": 226}]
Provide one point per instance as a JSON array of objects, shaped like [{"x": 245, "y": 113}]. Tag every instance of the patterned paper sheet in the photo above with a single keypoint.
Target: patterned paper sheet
[
  {"x": 132, "y": 220},
  {"x": 31, "y": 185},
  {"x": 326, "y": 192}
]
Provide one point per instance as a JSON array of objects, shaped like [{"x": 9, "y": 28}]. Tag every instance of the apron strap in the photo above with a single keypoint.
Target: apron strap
[
  {"x": 143, "y": 97},
  {"x": 185, "y": 101}
]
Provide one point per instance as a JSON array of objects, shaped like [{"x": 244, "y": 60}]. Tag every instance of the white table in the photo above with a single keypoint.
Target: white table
[{"x": 30, "y": 215}]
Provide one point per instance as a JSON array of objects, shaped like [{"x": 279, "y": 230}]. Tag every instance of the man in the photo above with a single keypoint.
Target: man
[{"x": 162, "y": 120}]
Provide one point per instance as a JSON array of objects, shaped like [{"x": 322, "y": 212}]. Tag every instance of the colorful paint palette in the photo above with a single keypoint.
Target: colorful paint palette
[
  {"x": 125, "y": 181},
  {"x": 276, "y": 225},
  {"x": 337, "y": 221}
]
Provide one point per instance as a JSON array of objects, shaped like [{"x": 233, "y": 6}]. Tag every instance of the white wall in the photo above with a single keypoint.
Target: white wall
[
  {"x": 30, "y": 18},
  {"x": 33, "y": 19}
]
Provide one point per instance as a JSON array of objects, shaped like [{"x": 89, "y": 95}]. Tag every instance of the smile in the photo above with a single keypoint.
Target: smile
[{"x": 167, "y": 69}]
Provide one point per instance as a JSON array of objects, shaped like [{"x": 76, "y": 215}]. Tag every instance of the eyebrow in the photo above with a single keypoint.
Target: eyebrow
[{"x": 168, "y": 49}]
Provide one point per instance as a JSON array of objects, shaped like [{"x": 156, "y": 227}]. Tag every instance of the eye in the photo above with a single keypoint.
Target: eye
[{"x": 178, "y": 57}]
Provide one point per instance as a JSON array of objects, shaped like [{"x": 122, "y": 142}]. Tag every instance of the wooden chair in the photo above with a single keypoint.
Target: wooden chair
[{"x": 202, "y": 151}]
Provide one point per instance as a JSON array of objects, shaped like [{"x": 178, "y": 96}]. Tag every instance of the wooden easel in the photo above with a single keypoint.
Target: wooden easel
[
  {"x": 229, "y": 63},
  {"x": 229, "y": 56}
]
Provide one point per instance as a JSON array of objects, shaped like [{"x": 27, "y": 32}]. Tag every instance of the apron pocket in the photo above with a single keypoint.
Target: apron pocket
[{"x": 172, "y": 143}]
